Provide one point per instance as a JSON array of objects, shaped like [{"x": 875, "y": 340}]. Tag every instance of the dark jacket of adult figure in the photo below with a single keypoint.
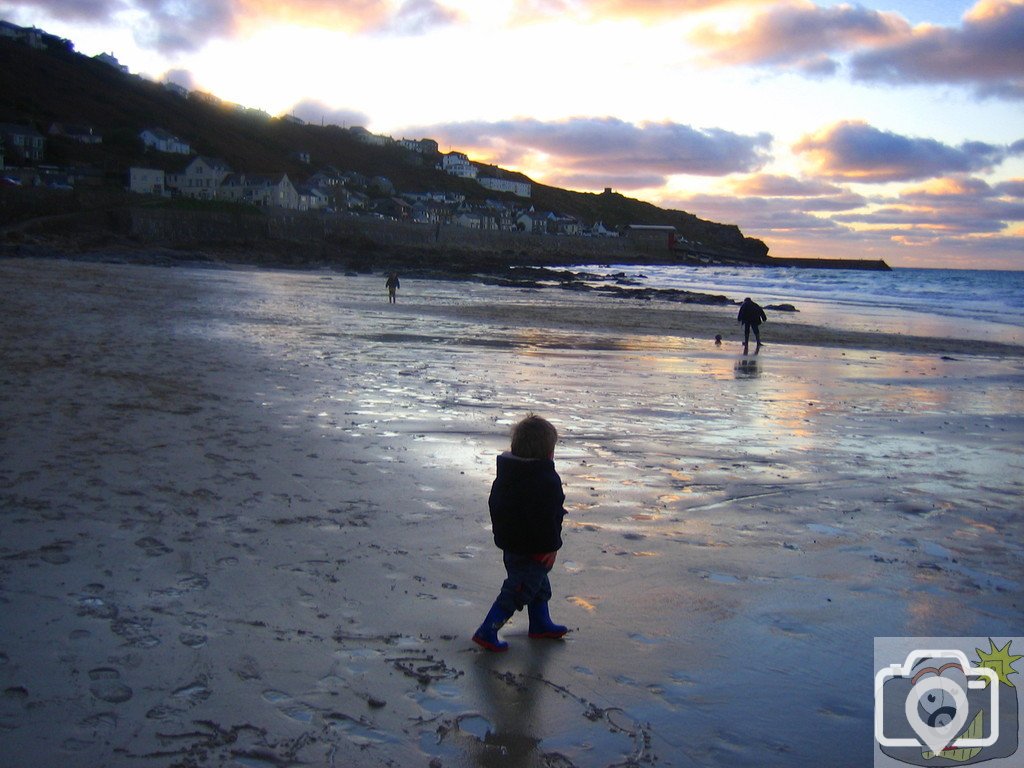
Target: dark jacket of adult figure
[
  {"x": 392, "y": 286},
  {"x": 751, "y": 315}
]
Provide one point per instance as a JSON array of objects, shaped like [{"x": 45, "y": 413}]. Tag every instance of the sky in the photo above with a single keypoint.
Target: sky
[{"x": 891, "y": 130}]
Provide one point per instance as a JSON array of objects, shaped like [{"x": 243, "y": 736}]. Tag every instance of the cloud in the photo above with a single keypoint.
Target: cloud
[
  {"x": 416, "y": 17},
  {"x": 944, "y": 221},
  {"x": 856, "y": 151},
  {"x": 170, "y": 26},
  {"x": 944, "y": 207},
  {"x": 597, "y": 180},
  {"x": 1011, "y": 188},
  {"x": 182, "y": 77},
  {"x": 85, "y": 10},
  {"x": 769, "y": 204},
  {"x": 636, "y": 155},
  {"x": 756, "y": 216},
  {"x": 802, "y": 37},
  {"x": 651, "y": 10},
  {"x": 173, "y": 26},
  {"x": 985, "y": 52},
  {"x": 316, "y": 112},
  {"x": 771, "y": 185},
  {"x": 967, "y": 225}
]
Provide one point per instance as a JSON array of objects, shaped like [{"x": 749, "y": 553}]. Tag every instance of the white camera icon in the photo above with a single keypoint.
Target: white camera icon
[{"x": 936, "y": 707}]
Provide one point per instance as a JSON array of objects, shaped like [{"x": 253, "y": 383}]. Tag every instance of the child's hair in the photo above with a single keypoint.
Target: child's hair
[{"x": 534, "y": 438}]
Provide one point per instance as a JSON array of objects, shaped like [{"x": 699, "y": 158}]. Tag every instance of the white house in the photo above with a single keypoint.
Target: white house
[
  {"x": 201, "y": 178},
  {"x": 518, "y": 188},
  {"x": 457, "y": 164},
  {"x": 147, "y": 181},
  {"x": 164, "y": 141}
]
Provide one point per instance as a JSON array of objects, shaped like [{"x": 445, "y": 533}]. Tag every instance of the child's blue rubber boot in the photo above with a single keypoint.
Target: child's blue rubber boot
[
  {"x": 541, "y": 625},
  {"x": 487, "y": 634}
]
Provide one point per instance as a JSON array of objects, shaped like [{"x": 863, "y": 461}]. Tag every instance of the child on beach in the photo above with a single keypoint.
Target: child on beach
[{"x": 526, "y": 514}]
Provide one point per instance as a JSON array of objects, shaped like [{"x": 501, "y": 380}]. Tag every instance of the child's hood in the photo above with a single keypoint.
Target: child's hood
[{"x": 509, "y": 463}]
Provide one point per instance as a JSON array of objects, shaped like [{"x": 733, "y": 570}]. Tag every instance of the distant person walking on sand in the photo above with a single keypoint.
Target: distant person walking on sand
[
  {"x": 392, "y": 286},
  {"x": 751, "y": 315},
  {"x": 526, "y": 517}
]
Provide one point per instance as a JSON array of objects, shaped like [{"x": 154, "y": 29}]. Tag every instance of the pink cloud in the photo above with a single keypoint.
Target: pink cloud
[
  {"x": 985, "y": 51},
  {"x": 856, "y": 151},
  {"x": 652, "y": 10},
  {"x": 603, "y": 148},
  {"x": 802, "y": 37},
  {"x": 770, "y": 185}
]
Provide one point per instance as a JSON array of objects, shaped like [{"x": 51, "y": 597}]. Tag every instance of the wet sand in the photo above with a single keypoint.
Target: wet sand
[{"x": 244, "y": 522}]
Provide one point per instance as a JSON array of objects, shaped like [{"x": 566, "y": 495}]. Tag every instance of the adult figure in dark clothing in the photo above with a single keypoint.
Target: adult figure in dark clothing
[
  {"x": 751, "y": 315},
  {"x": 392, "y": 285}
]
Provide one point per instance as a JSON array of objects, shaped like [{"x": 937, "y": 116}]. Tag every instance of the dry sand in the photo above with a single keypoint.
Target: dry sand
[{"x": 243, "y": 523}]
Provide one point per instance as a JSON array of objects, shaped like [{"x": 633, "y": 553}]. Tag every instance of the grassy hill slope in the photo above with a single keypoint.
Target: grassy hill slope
[{"x": 43, "y": 87}]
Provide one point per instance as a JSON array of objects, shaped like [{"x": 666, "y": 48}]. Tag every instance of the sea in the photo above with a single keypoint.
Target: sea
[{"x": 956, "y": 303}]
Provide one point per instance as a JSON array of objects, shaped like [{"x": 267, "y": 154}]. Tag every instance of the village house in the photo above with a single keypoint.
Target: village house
[
  {"x": 421, "y": 146},
  {"x": 22, "y": 142},
  {"x": 517, "y": 188},
  {"x": 111, "y": 61},
  {"x": 651, "y": 235},
  {"x": 327, "y": 177},
  {"x": 265, "y": 190},
  {"x": 372, "y": 139},
  {"x": 147, "y": 181},
  {"x": 312, "y": 198},
  {"x": 534, "y": 222},
  {"x": 164, "y": 141},
  {"x": 560, "y": 224},
  {"x": 200, "y": 179},
  {"x": 457, "y": 164}
]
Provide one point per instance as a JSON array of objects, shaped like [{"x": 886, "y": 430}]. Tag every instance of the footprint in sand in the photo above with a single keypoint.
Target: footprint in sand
[
  {"x": 96, "y": 608},
  {"x": 290, "y": 708},
  {"x": 192, "y": 639},
  {"x": 248, "y": 669},
  {"x": 153, "y": 547},
  {"x": 193, "y": 693},
  {"x": 106, "y": 686},
  {"x": 54, "y": 554}
]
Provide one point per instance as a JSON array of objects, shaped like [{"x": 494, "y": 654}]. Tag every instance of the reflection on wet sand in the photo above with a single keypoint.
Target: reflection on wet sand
[{"x": 746, "y": 369}]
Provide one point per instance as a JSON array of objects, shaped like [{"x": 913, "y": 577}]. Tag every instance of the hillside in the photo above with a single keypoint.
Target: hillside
[{"x": 41, "y": 87}]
